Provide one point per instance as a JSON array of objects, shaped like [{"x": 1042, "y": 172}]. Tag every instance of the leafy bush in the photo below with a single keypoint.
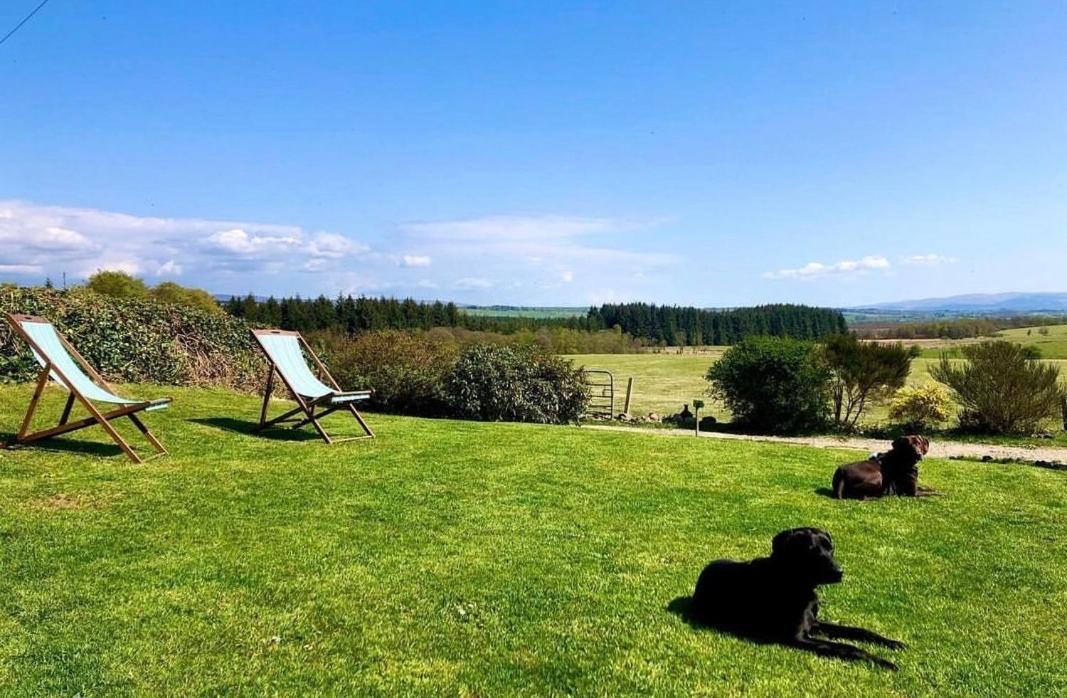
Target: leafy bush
[
  {"x": 135, "y": 340},
  {"x": 1000, "y": 390},
  {"x": 773, "y": 385},
  {"x": 431, "y": 374},
  {"x": 407, "y": 371},
  {"x": 921, "y": 407},
  {"x": 170, "y": 292},
  {"x": 521, "y": 384},
  {"x": 117, "y": 284},
  {"x": 861, "y": 373}
]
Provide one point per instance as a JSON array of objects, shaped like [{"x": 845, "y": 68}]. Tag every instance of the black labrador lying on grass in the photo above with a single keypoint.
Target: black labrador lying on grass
[
  {"x": 772, "y": 599},
  {"x": 895, "y": 472}
]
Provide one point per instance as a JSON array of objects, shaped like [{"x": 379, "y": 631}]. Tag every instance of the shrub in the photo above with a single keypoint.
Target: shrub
[
  {"x": 170, "y": 292},
  {"x": 117, "y": 284},
  {"x": 773, "y": 385},
  {"x": 861, "y": 373},
  {"x": 521, "y": 384},
  {"x": 921, "y": 408},
  {"x": 135, "y": 340},
  {"x": 407, "y": 371},
  {"x": 999, "y": 390}
]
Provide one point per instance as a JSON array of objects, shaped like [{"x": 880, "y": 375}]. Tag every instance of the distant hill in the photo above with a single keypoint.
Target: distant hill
[{"x": 976, "y": 304}]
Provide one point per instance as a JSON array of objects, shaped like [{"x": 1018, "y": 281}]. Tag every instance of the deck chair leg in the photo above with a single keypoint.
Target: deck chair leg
[
  {"x": 318, "y": 427},
  {"x": 67, "y": 409},
  {"x": 359, "y": 418},
  {"x": 42, "y": 380},
  {"x": 266, "y": 396},
  {"x": 116, "y": 437},
  {"x": 147, "y": 434}
]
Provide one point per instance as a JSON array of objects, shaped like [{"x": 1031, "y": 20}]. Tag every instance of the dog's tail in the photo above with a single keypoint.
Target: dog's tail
[{"x": 839, "y": 484}]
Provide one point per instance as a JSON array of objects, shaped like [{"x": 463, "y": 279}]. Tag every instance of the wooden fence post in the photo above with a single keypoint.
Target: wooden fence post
[{"x": 629, "y": 392}]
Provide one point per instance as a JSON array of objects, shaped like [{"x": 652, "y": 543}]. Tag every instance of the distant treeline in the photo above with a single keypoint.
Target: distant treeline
[
  {"x": 353, "y": 315},
  {"x": 957, "y": 328},
  {"x": 651, "y": 324},
  {"x": 677, "y": 326}
]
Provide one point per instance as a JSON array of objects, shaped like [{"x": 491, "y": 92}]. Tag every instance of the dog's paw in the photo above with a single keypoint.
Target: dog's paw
[{"x": 885, "y": 664}]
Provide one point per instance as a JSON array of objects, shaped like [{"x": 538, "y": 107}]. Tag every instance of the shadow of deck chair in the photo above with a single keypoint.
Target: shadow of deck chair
[
  {"x": 285, "y": 354},
  {"x": 62, "y": 362}
]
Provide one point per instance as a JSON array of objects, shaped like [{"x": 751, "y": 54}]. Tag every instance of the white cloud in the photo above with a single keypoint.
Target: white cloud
[
  {"x": 472, "y": 282},
  {"x": 928, "y": 260},
  {"x": 334, "y": 246},
  {"x": 508, "y": 240},
  {"x": 169, "y": 268},
  {"x": 238, "y": 241},
  {"x": 415, "y": 260},
  {"x": 21, "y": 269},
  {"x": 566, "y": 276},
  {"x": 847, "y": 267},
  {"x": 82, "y": 240}
]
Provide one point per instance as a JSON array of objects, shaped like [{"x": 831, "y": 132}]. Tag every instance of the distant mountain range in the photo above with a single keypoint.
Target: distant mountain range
[{"x": 978, "y": 304}]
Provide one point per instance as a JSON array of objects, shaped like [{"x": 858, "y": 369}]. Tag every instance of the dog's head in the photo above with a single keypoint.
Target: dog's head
[
  {"x": 912, "y": 447},
  {"x": 807, "y": 553}
]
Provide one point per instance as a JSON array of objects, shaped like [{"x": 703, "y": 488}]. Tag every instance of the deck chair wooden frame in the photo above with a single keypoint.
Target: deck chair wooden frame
[
  {"x": 127, "y": 408},
  {"x": 305, "y": 412}
]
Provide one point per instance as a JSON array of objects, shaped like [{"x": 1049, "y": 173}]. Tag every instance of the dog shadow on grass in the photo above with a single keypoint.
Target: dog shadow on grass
[
  {"x": 682, "y": 607},
  {"x": 85, "y": 448},
  {"x": 240, "y": 426}
]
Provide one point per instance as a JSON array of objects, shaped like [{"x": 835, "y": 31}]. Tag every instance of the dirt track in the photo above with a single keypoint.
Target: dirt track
[{"x": 938, "y": 449}]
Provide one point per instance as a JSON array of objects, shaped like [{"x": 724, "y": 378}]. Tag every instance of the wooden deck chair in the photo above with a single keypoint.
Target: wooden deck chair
[
  {"x": 285, "y": 354},
  {"x": 62, "y": 362}
]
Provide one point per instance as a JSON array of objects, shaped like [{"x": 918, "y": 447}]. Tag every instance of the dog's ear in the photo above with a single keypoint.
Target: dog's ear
[
  {"x": 781, "y": 542},
  {"x": 901, "y": 442},
  {"x": 796, "y": 540}
]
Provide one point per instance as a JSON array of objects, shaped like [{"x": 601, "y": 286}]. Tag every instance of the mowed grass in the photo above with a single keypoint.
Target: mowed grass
[{"x": 451, "y": 558}]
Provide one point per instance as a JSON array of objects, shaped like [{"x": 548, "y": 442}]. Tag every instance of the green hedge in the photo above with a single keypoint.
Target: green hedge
[{"x": 130, "y": 340}]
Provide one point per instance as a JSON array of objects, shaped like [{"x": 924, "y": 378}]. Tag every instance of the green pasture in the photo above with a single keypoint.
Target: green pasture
[
  {"x": 461, "y": 558},
  {"x": 663, "y": 382}
]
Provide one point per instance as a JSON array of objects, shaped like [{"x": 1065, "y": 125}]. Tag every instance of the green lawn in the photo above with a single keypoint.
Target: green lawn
[{"x": 488, "y": 559}]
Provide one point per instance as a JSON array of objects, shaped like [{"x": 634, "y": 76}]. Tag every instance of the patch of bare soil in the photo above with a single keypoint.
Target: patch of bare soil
[{"x": 67, "y": 502}]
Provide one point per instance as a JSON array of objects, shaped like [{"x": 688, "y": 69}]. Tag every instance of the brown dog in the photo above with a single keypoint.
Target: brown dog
[{"x": 895, "y": 472}]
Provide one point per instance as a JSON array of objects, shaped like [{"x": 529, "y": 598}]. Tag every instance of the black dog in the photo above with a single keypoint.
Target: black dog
[
  {"x": 772, "y": 599},
  {"x": 895, "y": 472}
]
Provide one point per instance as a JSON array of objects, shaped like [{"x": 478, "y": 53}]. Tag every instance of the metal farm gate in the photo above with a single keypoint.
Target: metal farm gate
[{"x": 601, "y": 386}]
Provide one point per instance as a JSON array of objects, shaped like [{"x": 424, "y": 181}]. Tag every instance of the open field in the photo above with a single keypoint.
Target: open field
[
  {"x": 526, "y": 312},
  {"x": 1053, "y": 345},
  {"x": 665, "y": 381},
  {"x": 465, "y": 558}
]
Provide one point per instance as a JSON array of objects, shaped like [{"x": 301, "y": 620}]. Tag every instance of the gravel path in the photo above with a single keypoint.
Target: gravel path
[{"x": 938, "y": 449}]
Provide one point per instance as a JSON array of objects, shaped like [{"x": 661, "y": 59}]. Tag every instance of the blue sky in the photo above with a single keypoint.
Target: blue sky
[{"x": 540, "y": 153}]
